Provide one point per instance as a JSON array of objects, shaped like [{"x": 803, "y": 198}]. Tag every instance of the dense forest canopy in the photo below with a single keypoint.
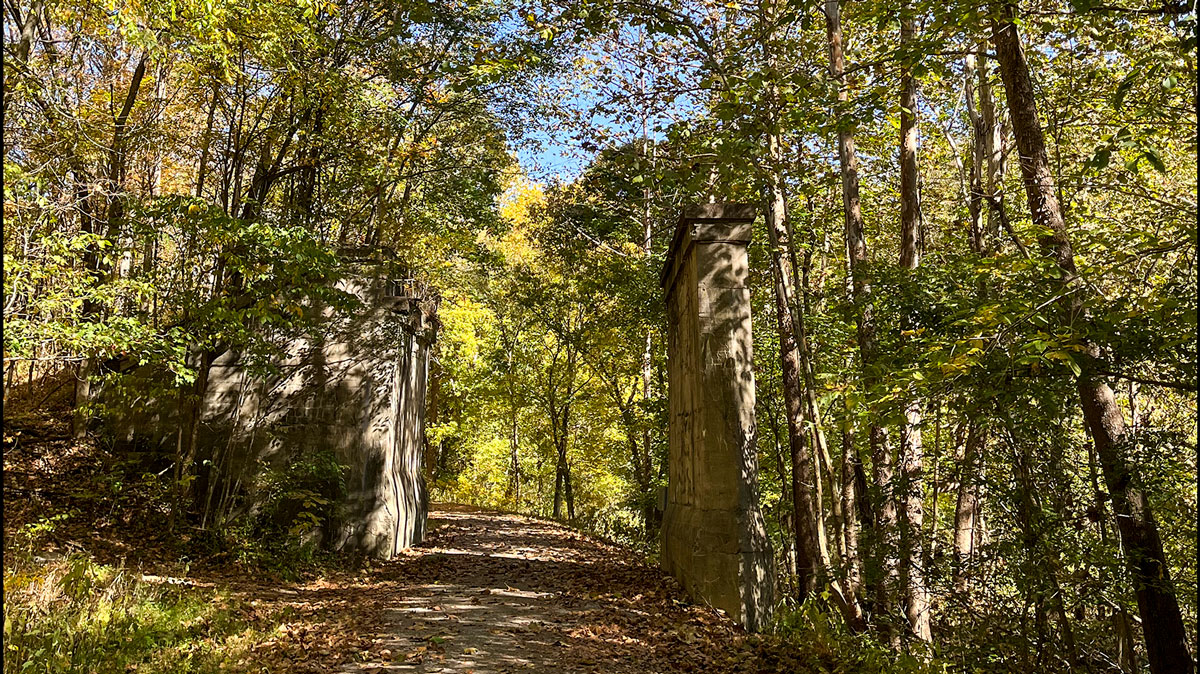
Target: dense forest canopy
[{"x": 974, "y": 270}]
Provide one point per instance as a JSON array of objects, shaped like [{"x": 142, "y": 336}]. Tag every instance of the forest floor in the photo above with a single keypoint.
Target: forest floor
[
  {"x": 489, "y": 592},
  {"x": 486, "y": 592}
]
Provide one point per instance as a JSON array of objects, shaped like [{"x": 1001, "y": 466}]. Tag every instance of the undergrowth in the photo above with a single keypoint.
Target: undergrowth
[
  {"x": 832, "y": 647},
  {"x": 82, "y": 522},
  {"x": 73, "y": 614}
]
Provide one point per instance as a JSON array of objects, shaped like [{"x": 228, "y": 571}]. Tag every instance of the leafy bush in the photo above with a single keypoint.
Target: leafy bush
[
  {"x": 832, "y": 647},
  {"x": 295, "y": 505}
]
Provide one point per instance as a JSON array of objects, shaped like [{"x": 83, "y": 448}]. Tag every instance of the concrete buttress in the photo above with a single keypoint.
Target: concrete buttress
[{"x": 713, "y": 536}]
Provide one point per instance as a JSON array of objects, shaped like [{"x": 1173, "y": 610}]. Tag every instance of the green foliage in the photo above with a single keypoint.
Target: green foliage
[
  {"x": 293, "y": 505},
  {"x": 829, "y": 646},
  {"x": 75, "y": 615}
]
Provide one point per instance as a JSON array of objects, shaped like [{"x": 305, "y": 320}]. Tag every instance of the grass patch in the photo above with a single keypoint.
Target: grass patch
[{"x": 74, "y": 615}]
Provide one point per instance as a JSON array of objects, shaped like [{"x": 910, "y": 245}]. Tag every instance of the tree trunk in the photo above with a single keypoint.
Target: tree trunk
[
  {"x": 650, "y": 514},
  {"x": 1162, "y": 623},
  {"x": 812, "y": 412},
  {"x": 988, "y": 153},
  {"x": 432, "y": 450},
  {"x": 966, "y": 505},
  {"x": 558, "y": 481},
  {"x": 83, "y": 396},
  {"x": 910, "y": 494},
  {"x": 856, "y": 254},
  {"x": 192, "y": 408},
  {"x": 207, "y": 142},
  {"x": 116, "y": 152},
  {"x": 565, "y": 464},
  {"x": 850, "y": 466},
  {"x": 808, "y": 555},
  {"x": 514, "y": 467},
  {"x": 787, "y": 501},
  {"x": 570, "y": 492},
  {"x": 28, "y": 28}
]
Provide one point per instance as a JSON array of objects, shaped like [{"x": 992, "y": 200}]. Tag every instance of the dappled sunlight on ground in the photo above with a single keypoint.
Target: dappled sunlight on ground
[{"x": 491, "y": 592}]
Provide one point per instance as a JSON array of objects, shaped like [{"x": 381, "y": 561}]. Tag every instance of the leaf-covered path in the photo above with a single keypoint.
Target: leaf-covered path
[{"x": 490, "y": 592}]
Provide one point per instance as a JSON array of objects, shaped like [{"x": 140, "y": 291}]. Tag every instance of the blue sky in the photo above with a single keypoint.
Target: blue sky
[{"x": 550, "y": 150}]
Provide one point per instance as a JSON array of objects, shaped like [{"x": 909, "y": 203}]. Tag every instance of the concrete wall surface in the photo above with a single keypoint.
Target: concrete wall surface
[
  {"x": 354, "y": 393},
  {"x": 713, "y": 537}
]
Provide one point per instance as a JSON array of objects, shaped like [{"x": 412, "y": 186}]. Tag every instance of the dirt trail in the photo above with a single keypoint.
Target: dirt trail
[{"x": 490, "y": 593}]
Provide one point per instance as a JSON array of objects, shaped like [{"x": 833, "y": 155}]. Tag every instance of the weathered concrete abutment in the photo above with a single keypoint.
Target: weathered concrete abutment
[
  {"x": 713, "y": 537},
  {"x": 350, "y": 392}
]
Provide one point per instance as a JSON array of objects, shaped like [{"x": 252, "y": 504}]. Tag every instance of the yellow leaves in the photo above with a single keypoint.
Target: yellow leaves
[
  {"x": 520, "y": 198},
  {"x": 1066, "y": 358},
  {"x": 989, "y": 315},
  {"x": 966, "y": 353},
  {"x": 462, "y": 321},
  {"x": 955, "y": 366},
  {"x": 632, "y": 249}
]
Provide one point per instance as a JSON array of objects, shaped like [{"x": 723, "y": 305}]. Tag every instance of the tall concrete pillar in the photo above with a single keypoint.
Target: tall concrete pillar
[{"x": 713, "y": 537}]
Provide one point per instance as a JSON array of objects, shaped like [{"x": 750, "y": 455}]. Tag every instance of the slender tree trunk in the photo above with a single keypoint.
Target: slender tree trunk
[
  {"x": 207, "y": 142},
  {"x": 986, "y": 204},
  {"x": 786, "y": 521},
  {"x": 850, "y": 466},
  {"x": 431, "y": 419},
  {"x": 1162, "y": 622},
  {"x": 966, "y": 504},
  {"x": 514, "y": 463},
  {"x": 910, "y": 494},
  {"x": 650, "y": 514},
  {"x": 566, "y": 464},
  {"x": 192, "y": 406},
  {"x": 857, "y": 257},
  {"x": 559, "y": 461},
  {"x": 812, "y": 411},
  {"x": 558, "y": 480},
  {"x": 83, "y": 396},
  {"x": 935, "y": 483},
  {"x": 808, "y": 555},
  {"x": 514, "y": 467},
  {"x": 116, "y": 168},
  {"x": 910, "y": 210}
]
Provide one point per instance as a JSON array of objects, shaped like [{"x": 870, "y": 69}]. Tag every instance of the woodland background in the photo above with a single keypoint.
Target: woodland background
[{"x": 180, "y": 174}]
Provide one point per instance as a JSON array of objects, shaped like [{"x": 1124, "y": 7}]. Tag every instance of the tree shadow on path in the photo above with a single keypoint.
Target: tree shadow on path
[{"x": 491, "y": 592}]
